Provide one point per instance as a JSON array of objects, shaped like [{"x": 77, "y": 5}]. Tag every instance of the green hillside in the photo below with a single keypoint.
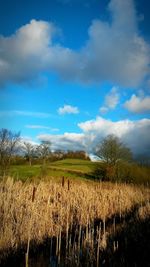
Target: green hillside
[
  {"x": 74, "y": 164},
  {"x": 69, "y": 168}
]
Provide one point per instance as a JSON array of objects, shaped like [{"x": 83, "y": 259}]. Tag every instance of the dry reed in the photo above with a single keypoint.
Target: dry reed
[{"x": 48, "y": 209}]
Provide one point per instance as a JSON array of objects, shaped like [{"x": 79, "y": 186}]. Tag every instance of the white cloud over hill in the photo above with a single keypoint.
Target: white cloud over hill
[{"x": 134, "y": 134}]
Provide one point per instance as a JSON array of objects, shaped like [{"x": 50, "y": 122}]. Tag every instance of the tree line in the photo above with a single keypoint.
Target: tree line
[
  {"x": 116, "y": 159},
  {"x": 109, "y": 150},
  {"x": 13, "y": 147}
]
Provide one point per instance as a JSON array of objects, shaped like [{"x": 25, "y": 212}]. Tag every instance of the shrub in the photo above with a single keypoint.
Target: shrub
[{"x": 122, "y": 172}]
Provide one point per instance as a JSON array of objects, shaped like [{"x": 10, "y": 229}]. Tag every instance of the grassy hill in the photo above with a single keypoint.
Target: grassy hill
[
  {"x": 80, "y": 169},
  {"x": 69, "y": 168},
  {"x": 81, "y": 165}
]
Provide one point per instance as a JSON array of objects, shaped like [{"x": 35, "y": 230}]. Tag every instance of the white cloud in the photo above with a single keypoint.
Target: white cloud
[
  {"x": 42, "y": 127},
  {"x": 103, "y": 110},
  {"x": 28, "y": 140},
  {"x": 66, "y": 141},
  {"x": 138, "y": 104},
  {"x": 30, "y": 51},
  {"x": 104, "y": 127},
  {"x": 67, "y": 109},
  {"x": 111, "y": 100},
  {"x": 114, "y": 51},
  {"x": 22, "y": 54},
  {"x": 129, "y": 131},
  {"x": 12, "y": 113},
  {"x": 134, "y": 134}
]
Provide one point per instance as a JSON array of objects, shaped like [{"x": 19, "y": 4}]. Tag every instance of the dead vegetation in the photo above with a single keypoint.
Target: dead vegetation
[{"x": 50, "y": 209}]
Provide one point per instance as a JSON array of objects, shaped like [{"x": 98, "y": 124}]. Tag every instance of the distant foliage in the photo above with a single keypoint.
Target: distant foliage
[
  {"x": 76, "y": 155},
  {"x": 122, "y": 172}
]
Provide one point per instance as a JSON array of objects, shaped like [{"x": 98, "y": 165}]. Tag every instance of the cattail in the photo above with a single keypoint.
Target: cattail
[
  {"x": 33, "y": 193},
  {"x": 51, "y": 212},
  {"x": 59, "y": 246},
  {"x": 68, "y": 185},
  {"x": 79, "y": 237},
  {"x": 114, "y": 225},
  {"x": 115, "y": 245},
  {"x": 63, "y": 181},
  {"x": 98, "y": 244},
  {"x": 27, "y": 253}
]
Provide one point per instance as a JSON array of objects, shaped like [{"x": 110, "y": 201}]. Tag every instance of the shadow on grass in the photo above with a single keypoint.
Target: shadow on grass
[{"x": 127, "y": 246}]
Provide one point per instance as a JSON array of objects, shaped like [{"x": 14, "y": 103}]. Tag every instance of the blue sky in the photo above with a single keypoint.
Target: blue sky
[{"x": 74, "y": 71}]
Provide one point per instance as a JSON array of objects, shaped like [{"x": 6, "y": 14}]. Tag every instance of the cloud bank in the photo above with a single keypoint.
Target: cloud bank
[
  {"x": 135, "y": 134},
  {"x": 114, "y": 51}
]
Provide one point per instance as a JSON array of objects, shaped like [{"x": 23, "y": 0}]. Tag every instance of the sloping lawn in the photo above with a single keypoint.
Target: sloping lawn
[
  {"x": 85, "y": 166},
  {"x": 69, "y": 168}
]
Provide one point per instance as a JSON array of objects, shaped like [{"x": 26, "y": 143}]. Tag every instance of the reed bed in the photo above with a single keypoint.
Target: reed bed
[{"x": 30, "y": 211}]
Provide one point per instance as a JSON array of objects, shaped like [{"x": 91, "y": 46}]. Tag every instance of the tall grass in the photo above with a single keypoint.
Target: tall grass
[{"x": 30, "y": 211}]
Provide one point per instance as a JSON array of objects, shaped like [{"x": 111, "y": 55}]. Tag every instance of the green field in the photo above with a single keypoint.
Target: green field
[
  {"x": 78, "y": 169},
  {"x": 69, "y": 168},
  {"x": 80, "y": 165}
]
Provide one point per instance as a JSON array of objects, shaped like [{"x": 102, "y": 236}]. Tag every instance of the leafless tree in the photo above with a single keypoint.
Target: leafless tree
[
  {"x": 112, "y": 149},
  {"x": 29, "y": 151},
  {"x": 44, "y": 150},
  {"x": 9, "y": 143}
]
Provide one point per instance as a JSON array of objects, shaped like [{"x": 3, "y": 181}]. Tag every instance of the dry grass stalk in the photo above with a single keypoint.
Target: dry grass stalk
[{"x": 34, "y": 212}]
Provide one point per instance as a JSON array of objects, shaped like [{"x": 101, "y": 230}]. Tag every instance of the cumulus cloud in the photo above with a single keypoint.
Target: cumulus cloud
[
  {"x": 32, "y": 50},
  {"x": 134, "y": 134},
  {"x": 114, "y": 51},
  {"x": 66, "y": 141},
  {"x": 103, "y": 127},
  {"x": 23, "y": 55},
  {"x": 28, "y": 140},
  {"x": 138, "y": 104},
  {"x": 67, "y": 109},
  {"x": 111, "y": 100},
  {"x": 129, "y": 131}
]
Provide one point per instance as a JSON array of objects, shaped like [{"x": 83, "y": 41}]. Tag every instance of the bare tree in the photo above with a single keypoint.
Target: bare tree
[
  {"x": 113, "y": 153},
  {"x": 9, "y": 143},
  {"x": 44, "y": 150},
  {"x": 112, "y": 149},
  {"x": 29, "y": 150}
]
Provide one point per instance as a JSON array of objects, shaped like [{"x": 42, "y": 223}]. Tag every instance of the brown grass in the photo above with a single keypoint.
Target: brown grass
[{"x": 34, "y": 211}]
